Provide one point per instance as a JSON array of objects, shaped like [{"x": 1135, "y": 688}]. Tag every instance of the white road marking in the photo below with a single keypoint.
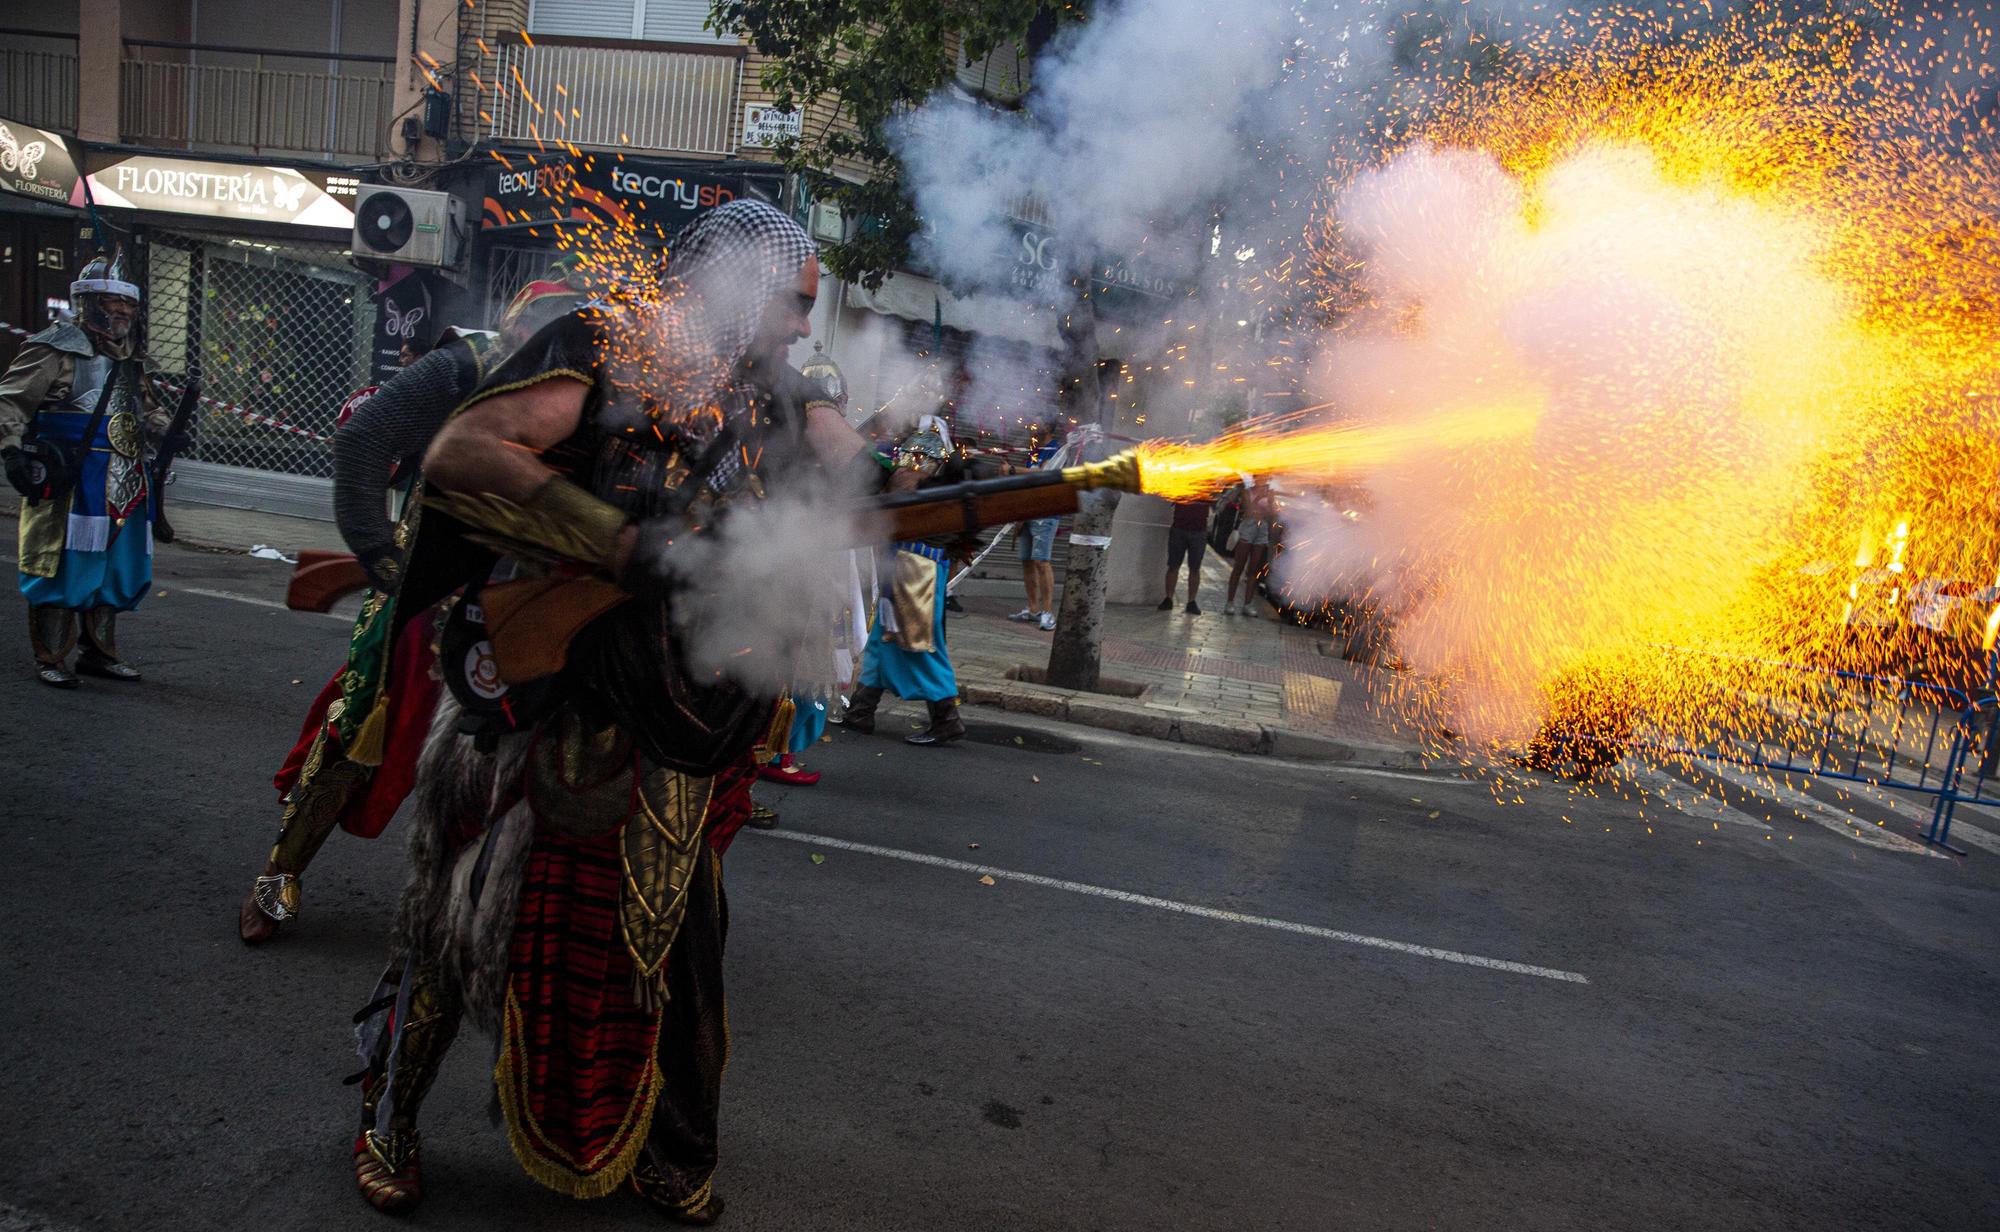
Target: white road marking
[
  {"x": 1667, "y": 794},
  {"x": 1168, "y": 904},
  {"x": 1436, "y": 780},
  {"x": 233, "y": 597},
  {"x": 1821, "y": 813},
  {"x": 230, "y": 595},
  {"x": 1963, "y": 831}
]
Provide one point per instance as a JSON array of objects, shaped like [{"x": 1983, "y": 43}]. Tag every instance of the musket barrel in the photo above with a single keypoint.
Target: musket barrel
[{"x": 961, "y": 508}]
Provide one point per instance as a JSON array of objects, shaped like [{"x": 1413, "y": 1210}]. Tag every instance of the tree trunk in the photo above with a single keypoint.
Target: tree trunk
[{"x": 1075, "y": 657}]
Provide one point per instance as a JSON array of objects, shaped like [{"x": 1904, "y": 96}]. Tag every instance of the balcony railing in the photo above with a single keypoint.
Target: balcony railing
[
  {"x": 38, "y": 78},
  {"x": 680, "y": 99},
  {"x": 255, "y": 100}
]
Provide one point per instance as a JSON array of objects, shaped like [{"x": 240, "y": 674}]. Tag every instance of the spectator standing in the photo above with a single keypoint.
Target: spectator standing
[
  {"x": 1253, "y": 543},
  {"x": 1187, "y": 539},
  {"x": 1037, "y": 540}
]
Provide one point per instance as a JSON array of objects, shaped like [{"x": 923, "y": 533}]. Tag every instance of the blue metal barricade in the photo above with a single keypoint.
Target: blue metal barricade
[{"x": 1864, "y": 732}]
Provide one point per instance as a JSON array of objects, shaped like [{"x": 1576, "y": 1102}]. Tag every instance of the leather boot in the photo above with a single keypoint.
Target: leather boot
[
  {"x": 52, "y": 632},
  {"x": 100, "y": 647},
  {"x": 860, "y": 716},
  {"x": 945, "y": 726}
]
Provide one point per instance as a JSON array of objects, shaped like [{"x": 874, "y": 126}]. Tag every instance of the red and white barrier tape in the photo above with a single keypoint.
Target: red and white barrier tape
[
  {"x": 252, "y": 417},
  {"x": 243, "y": 413}
]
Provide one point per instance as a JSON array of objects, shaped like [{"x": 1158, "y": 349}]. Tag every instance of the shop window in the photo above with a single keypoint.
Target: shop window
[{"x": 279, "y": 333}]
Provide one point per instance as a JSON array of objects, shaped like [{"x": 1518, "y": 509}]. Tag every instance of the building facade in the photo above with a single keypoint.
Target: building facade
[{"x": 224, "y": 143}]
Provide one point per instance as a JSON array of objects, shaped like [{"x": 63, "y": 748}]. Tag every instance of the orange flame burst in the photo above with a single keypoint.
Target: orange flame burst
[{"x": 1282, "y": 447}]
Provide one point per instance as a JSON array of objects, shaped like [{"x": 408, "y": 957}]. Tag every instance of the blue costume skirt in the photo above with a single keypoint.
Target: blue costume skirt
[
  {"x": 97, "y": 573},
  {"x": 925, "y": 677},
  {"x": 808, "y": 723}
]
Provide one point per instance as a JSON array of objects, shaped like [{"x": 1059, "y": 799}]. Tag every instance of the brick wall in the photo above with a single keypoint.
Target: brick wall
[{"x": 488, "y": 22}]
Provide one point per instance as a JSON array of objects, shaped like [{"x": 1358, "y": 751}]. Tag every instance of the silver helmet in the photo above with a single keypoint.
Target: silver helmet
[{"x": 103, "y": 278}]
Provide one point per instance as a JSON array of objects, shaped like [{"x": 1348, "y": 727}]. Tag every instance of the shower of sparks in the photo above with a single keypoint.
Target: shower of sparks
[
  {"x": 1585, "y": 529},
  {"x": 1797, "y": 436}
]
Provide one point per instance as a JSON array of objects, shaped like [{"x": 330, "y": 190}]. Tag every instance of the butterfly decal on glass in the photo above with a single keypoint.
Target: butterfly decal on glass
[
  {"x": 17, "y": 157},
  {"x": 287, "y": 193},
  {"x": 400, "y": 324}
]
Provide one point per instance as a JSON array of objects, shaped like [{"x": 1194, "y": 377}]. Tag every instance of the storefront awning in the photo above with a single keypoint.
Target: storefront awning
[
  {"x": 232, "y": 192},
  {"x": 916, "y": 298},
  {"x": 36, "y": 163}
]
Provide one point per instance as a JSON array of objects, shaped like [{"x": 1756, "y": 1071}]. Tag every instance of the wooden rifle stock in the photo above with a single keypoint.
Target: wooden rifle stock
[{"x": 322, "y": 579}]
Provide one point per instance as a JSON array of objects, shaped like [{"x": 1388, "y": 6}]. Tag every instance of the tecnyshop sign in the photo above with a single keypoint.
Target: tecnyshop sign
[
  {"x": 284, "y": 195},
  {"x": 625, "y": 192},
  {"x": 35, "y": 163}
]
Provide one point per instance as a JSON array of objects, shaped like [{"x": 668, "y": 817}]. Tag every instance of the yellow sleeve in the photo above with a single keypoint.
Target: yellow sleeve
[{"x": 23, "y": 387}]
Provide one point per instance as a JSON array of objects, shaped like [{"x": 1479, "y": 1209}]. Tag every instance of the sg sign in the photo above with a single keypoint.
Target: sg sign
[{"x": 1039, "y": 261}]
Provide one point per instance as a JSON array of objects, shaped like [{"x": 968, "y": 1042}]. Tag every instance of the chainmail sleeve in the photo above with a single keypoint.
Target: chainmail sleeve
[{"x": 394, "y": 425}]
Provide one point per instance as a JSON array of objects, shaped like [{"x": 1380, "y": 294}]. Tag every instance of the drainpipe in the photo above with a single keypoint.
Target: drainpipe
[{"x": 99, "y": 48}]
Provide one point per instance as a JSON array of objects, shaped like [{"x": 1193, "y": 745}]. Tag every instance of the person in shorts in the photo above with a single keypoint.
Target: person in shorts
[
  {"x": 1253, "y": 544},
  {"x": 1037, "y": 540},
  {"x": 1187, "y": 539}
]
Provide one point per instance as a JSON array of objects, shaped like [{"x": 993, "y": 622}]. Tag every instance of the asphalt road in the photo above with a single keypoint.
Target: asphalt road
[{"x": 1399, "y": 1005}]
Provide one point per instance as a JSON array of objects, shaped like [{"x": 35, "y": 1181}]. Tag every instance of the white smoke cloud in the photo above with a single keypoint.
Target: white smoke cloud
[
  {"x": 1137, "y": 122},
  {"x": 760, "y": 596},
  {"x": 1676, "y": 356}
]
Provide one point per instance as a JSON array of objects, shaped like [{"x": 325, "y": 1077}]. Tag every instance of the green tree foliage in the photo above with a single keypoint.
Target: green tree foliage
[{"x": 873, "y": 59}]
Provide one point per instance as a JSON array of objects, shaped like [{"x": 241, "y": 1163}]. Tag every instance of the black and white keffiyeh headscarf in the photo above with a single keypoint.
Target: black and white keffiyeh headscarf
[
  {"x": 731, "y": 262},
  {"x": 680, "y": 353},
  {"x": 674, "y": 357}
]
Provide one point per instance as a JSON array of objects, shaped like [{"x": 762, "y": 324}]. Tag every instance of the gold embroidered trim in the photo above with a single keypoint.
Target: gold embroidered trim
[
  {"x": 327, "y": 782},
  {"x": 661, "y": 846},
  {"x": 558, "y": 1171},
  {"x": 574, "y": 374},
  {"x": 560, "y": 522}
]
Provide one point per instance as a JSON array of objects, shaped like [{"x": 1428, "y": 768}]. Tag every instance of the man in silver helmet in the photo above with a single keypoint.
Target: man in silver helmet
[{"x": 79, "y": 427}]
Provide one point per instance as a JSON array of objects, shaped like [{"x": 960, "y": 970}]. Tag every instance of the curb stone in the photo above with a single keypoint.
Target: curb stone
[
  {"x": 1117, "y": 714},
  {"x": 1178, "y": 724}
]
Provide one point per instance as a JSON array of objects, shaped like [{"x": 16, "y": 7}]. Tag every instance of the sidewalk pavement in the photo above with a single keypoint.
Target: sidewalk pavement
[
  {"x": 212, "y": 528},
  {"x": 1247, "y": 684}
]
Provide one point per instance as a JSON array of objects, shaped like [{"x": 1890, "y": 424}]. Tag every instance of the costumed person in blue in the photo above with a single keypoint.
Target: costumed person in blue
[
  {"x": 830, "y": 667},
  {"x": 906, "y": 653},
  {"x": 80, "y": 426}
]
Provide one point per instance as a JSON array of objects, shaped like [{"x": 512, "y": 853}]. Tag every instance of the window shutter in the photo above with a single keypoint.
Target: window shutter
[
  {"x": 679, "y": 21},
  {"x": 605, "y": 19},
  {"x": 1001, "y": 76}
]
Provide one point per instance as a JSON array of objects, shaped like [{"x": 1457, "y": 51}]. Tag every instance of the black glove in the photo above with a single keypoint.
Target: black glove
[
  {"x": 18, "y": 472},
  {"x": 176, "y": 443},
  {"x": 40, "y": 471},
  {"x": 383, "y": 565}
]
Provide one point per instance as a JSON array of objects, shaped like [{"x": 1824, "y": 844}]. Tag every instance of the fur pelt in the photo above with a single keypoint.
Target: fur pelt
[{"x": 461, "y": 791}]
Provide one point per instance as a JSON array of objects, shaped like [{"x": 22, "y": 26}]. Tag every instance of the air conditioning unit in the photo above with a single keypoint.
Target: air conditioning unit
[
  {"x": 408, "y": 225},
  {"x": 823, "y": 222}
]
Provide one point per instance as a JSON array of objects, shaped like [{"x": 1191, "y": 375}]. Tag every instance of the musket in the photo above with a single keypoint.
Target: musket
[
  {"x": 961, "y": 508},
  {"x": 321, "y": 579},
  {"x": 156, "y": 481}
]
